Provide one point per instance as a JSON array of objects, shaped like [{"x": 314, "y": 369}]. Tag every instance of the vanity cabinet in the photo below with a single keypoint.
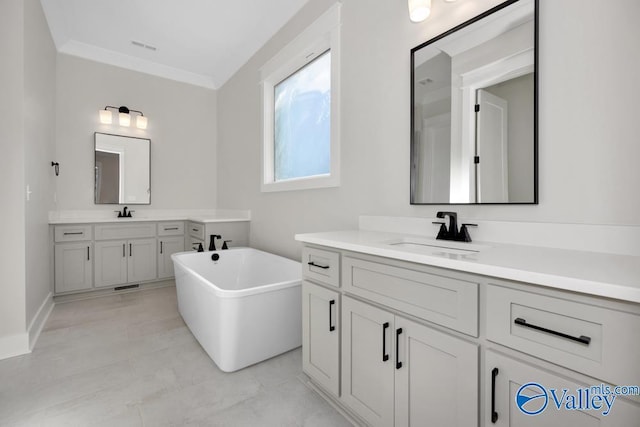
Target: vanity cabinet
[
  {"x": 125, "y": 261},
  {"x": 505, "y": 375},
  {"x": 167, "y": 247},
  {"x": 73, "y": 258},
  {"x": 425, "y": 345},
  {"x": 397, "y": 372},
  {"x": 73, "y": 267},
  {"x": 321, "y": 335}
]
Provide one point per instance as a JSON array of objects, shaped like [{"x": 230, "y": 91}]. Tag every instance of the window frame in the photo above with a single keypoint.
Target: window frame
[{"x": 321, "y": 36}]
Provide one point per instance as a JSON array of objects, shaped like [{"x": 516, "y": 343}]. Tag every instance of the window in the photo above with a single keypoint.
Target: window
[{"x": 300, "y": 121}]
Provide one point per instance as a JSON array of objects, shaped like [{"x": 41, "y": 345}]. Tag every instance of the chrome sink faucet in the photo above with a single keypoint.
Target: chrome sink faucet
[{"x": 452, "y": 232}]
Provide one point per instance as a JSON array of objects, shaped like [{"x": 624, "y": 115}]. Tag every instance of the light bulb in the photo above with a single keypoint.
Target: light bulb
[
  {"x": 106, "y": 117},
  {"x": 419, "y": 10}
]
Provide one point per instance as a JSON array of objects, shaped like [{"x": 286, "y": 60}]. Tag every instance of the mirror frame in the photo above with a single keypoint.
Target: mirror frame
[
  {"x": 95, "y": 166},
  {"x": 535, "y": 103}
]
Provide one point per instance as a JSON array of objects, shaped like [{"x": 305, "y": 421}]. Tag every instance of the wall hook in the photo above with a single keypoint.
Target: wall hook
[{"x": 56, "y": 167}]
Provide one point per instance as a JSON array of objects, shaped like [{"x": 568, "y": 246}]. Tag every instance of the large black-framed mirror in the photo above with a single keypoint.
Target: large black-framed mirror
[
  {"x": 122, "y": 170},
  {"x": 474, "y": 110}
]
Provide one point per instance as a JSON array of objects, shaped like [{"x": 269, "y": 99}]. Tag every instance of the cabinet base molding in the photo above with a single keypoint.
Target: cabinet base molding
[
  {"x": 112, "y": 291},
  {"x": 331, "y": 400}
]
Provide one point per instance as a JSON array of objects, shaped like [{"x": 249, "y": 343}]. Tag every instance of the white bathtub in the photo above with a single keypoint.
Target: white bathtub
[{"x": 243, "y": 308}]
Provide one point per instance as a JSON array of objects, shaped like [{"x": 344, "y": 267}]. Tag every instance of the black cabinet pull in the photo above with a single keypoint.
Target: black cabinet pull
[
  {"x": 88, "y": 256},
  {"x": 398, "y": 362},
  {"x": 581, "y": 339},
  {"x": 494, "y": 414},
  {"x": 160, "y": 246},
  {"x": 313, "y": 264},
  {"x": 385, "y": 356},
  {"x": 172, "y": 228},
  {"x": 194, "y": 229},
  {"x": 123, "y": 251},
  {"x": 73, "y": 234},
  {"x": 331, "y": 327},
  {"x": 130, "y": 249}
]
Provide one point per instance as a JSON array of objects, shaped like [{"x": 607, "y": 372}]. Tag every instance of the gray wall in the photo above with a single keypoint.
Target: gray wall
[
  {"x": 12, "y": 216},
  {"x": 39, "y": 138},
  {"x": 588, "y": 141},
  {"x": 27, "y": 111},
  {"x": 182, "y": 129}
]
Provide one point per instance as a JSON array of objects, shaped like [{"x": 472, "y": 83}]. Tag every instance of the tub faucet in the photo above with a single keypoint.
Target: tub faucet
[
  {"x": 212, "y": 241},
  {"x": 452, "y": 232}
]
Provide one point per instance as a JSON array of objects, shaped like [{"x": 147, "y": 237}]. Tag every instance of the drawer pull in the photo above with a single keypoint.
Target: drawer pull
[
  {"x": 398, "y": 362},
  {"x": 171, "y": 228},
  {"x": 385, "y": 356},
  {"x": 76, "y": 233},
  {"x": 581, "y": 339},
  {"x": 494, "y": 414},
  {"x": 313, "y": 264},
  {"x": 194, "y": 229},
  {"x": 331, "y": 326}
]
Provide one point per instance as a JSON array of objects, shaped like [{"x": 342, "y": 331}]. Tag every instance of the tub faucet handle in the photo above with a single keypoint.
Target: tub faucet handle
[{"x": 224, "y": 244}]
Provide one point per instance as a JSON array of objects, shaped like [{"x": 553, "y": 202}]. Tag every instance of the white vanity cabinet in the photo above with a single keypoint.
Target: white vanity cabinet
[
  {"x": 397, "y": 372},
  {"x": 125, "y": 261},
  {"x": 170, "y": 240},
  {"x": 321, "y": 335},
  {"x": 73, "y": 258}
]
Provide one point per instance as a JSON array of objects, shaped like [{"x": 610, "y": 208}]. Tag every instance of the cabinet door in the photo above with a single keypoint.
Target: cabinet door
[
  {"x": 73, "y": 267},
  {"x": 142, "y": 260},
  {"x": 168, "y": 246},
  {"x": 436, "y": 377},
  {"x": 511, "y": 374},
  {"x": 111, "y": 263},
  {"x": 321, "y": 336},
  {"x": 367, "y": 362}
]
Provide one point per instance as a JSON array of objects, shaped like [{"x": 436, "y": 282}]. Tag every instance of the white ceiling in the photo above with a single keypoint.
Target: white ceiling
[{"x": 202, "y": 42}]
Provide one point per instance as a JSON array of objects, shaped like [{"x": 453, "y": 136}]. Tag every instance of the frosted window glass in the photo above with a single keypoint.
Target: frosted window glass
[{"x": 302, "y": 115}]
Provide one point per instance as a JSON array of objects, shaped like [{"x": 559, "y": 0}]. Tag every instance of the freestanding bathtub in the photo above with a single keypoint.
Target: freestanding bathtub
[{"x": 243, "y": 308}]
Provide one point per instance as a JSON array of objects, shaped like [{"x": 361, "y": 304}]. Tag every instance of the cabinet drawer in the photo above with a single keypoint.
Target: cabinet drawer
[
  {"x": 597, "y": 341},
  {"x": 171, "y": 228},
  {"x": 196, "y": 230},
  {"x": 426, "y": 293},
  {"x": 125, "y": 231},
  {"x": 321, "y": 265},
  {"x": 72, "y": 233}
]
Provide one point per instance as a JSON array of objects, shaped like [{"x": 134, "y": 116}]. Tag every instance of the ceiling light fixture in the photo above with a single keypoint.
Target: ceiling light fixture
[
  {"x": 419, "y": 10},
  {"x": 124, "y": 117}
]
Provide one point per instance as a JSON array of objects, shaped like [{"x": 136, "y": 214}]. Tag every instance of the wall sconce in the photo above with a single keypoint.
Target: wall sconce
[
  {"x": 419, "y": 10},
  {"x": 124, "y": 117}
]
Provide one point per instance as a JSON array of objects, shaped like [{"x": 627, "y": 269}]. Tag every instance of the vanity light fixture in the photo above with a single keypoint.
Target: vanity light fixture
[
  {"x": 419, "y": 10},
  {"x": 124, "y": 117}
]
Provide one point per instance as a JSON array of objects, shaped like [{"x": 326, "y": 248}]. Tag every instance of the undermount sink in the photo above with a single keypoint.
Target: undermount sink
[{"x": 433, "y": 246}]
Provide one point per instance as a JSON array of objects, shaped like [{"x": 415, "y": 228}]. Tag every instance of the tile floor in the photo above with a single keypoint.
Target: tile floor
[{"x": 129, "y": 360}]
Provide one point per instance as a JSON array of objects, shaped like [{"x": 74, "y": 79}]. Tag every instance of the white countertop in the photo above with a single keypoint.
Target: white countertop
[
  {"x": 601, "y": 274},
  {"x": 203, "y": 216}
]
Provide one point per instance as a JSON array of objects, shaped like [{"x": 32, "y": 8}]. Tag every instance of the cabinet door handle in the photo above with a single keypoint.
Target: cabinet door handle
[
  {"x": 494, "y": 414},
  {"x": 123, "y": 251},
  {"x": 581, "y": 339},
  {"x": 88, "y": 255},
  {"x": 313, "y": 264},
  {"x": 385, "y": 356},
  {"x": 130, "y": 249},
  {"x": 331, "y": 327},
  {"x": 398, "y": 362},
  {"x": 74, "y": 233},
  {"x": 160, "y": 246}
]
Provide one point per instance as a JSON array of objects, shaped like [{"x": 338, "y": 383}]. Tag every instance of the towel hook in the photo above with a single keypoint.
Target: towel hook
[{"x": 56, "y": 167}]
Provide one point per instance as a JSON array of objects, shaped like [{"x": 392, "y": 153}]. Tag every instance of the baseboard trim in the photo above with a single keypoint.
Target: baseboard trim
[
  {"x": 111, "y": 291},
  {"x": 14, "y": 345},
  {"x": 39, "y": 320}
]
